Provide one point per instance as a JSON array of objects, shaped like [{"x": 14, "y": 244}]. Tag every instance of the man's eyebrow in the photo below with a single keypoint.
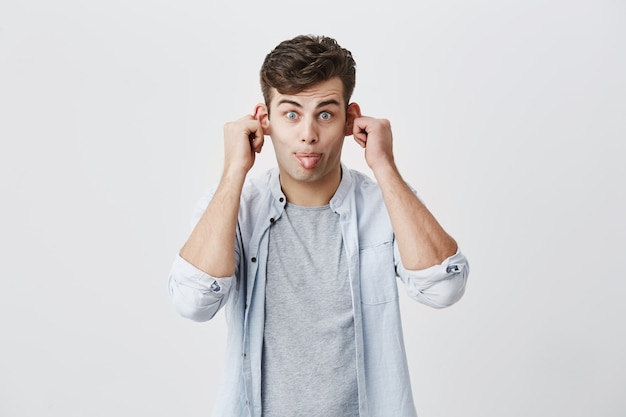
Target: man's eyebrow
[
  {"x": 292, "y": 102},
  {"x": 328, "y": 103},
  {"x": 320, "y": 104}
]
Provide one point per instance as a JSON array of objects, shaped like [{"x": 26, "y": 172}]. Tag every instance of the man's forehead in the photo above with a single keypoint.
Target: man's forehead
[{"x": 325, "y": 93}]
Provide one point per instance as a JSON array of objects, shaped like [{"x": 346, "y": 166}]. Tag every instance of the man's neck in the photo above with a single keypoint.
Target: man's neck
[{"x": 311, "y": 194}]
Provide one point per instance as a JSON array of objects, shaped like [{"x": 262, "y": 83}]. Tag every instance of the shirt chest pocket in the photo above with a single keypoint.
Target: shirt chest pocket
[{"x": 377, "y": 273}]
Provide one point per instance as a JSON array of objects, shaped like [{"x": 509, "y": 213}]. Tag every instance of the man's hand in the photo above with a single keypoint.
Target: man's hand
[
  {"x": 242, "y": 139},
  {"x": 375, "y": 136}
]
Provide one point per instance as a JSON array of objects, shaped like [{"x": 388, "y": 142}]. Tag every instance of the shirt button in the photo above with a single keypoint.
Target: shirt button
[
  {"x": 253, "y": 259},
  {"x": 281, "y": 199},
  {"x": 272, "y": 220}
]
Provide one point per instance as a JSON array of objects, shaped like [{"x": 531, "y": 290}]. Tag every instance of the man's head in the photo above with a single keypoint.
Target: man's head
[
  {"x": 304, "y": 61},
  {"x": 307, "y": 83}
]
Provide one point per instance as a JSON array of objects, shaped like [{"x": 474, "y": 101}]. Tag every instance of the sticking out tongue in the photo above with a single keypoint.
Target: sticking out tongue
[{"x": 308, "y": 161}]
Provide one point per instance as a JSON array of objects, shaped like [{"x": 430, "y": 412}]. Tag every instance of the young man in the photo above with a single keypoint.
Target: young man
[{"x": 304, "y": 259}]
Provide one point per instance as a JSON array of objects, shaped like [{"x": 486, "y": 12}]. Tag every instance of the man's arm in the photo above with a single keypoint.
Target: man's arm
[
  {"x": 422, "y": 241},
  {"x": 210, "y": 247}
]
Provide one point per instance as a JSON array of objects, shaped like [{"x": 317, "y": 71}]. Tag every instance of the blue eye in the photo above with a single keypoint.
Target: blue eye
[
  {"x": 291, "y": 115},
  {"x": 325, "y": 115}
]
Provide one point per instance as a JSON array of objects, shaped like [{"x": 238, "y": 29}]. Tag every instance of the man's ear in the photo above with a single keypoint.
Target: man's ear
[
  {"x": 354, "y": 112},
  {"x": 262, "y": 115}
]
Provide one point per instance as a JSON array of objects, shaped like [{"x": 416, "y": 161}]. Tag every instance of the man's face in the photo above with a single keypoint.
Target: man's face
[{"x": 307, "y": 131}]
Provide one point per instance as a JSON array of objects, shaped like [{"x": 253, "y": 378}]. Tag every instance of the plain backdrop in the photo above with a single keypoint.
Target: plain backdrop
[{"x": 509, "y": 118}]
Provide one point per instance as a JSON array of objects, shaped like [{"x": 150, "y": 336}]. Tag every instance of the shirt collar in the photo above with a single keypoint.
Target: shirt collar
[{"x": 345, "y": 186}]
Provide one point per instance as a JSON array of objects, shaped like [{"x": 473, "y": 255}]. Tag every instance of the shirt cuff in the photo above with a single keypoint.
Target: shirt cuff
[
  {"x": 187, "y": 274},
  {"x": 451, "y": 266}
]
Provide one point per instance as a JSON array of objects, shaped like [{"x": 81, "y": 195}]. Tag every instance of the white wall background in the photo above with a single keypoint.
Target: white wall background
[{"x": 509, "y": 118}]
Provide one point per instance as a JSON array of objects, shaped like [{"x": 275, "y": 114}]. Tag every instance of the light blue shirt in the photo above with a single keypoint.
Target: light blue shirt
[{"x": 374, "y": 265}]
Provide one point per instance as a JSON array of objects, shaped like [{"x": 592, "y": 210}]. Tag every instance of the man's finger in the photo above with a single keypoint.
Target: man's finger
[{"x": 256, "y": 140}]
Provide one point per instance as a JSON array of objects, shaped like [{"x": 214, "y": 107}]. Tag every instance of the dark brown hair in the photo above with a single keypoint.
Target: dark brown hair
[{"x": 299, "y": 63}]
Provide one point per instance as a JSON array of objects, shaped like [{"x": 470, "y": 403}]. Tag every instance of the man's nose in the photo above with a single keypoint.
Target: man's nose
[{"x": 309, "y": 133}]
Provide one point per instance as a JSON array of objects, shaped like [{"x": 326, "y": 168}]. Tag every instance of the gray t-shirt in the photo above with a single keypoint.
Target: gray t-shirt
[{"x": 309, "y": 359}]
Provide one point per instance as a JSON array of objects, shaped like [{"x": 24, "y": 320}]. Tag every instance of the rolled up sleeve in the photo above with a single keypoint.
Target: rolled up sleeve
[
  {"x": 195, "y": 294},
  {"x": 438, "y": 286}
]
